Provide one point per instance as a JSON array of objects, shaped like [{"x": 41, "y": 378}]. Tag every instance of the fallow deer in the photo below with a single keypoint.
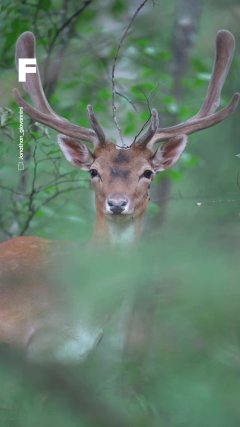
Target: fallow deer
[{"x": 121, "y": 178}]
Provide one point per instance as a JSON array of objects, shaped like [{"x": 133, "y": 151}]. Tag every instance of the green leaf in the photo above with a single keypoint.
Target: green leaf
[
  {"x": 49, "y": 189},
  {"x": 174, "y": 174},
  {"x": 188, "y": 159},
  {"x": 204, "y": 77},
  {"x": 52, "y": 152},
  {"x": 118, "y": 6},
  {"x": 172, "y": 108},
  {"x": 153, "y": 208},
  {"x": 39, "y": 213}
]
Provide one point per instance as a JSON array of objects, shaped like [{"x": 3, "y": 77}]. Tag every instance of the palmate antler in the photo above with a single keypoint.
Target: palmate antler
[
  {"x": 41, "y": 111},
  {"x": 206, "y": 116}
]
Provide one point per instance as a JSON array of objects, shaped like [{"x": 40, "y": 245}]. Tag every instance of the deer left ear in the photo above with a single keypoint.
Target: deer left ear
[
  {"x": 169, "y": 153},
  {"x": 75, "y": 152}
]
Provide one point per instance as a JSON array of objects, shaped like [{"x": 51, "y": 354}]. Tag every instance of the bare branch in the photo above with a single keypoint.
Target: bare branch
[
  {"x": 53, "y": 196},
  {"x": 127, "y": 99},
  {"x": 52, "y": 70},
  {"x": 31, "y": 209},
  {"x": 19, "y": 193},
  {"x": 114, "y": 91},
  {"x": 68, "y": 21},
  {"x": 57, "y": 183},
  {"x": 147, "y": 121}
]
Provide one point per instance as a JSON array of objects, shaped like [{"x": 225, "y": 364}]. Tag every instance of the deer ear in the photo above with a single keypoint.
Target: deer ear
[
  {"x": 75, "y": 152},
  {"x": 168, "y": 153}
]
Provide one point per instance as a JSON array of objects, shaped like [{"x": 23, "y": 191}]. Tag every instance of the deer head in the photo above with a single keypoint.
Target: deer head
[{"x": 121, "y": 176}]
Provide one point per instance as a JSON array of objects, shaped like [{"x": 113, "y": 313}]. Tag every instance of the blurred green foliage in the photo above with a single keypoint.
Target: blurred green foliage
[
  {"x": 187, "y": 371},
  {"x": 182, "y": 287}
]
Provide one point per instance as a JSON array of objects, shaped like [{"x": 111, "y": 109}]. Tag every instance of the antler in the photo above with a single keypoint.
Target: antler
[
  {"x": 207, "y": 116},
  {"x": 41, "y": 111},
  {"x": 148, "y": 135}
]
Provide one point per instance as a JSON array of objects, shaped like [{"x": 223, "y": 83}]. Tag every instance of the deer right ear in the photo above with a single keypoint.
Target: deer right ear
[
  {"x": 75, "y": 152},
  {"x": 169, "y": 153}
]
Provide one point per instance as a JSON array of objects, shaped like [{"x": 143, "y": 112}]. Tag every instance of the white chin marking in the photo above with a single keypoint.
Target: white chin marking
[{"x": 107, "y": 208}]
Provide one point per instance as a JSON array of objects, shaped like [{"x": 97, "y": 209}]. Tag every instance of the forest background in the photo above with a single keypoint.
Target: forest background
[{"x": 185, "y": 276}]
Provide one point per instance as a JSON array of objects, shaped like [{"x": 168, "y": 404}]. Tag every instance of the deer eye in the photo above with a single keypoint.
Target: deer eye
[
  {"x": 93, "y": 173},
  {"x": 148, "y": 173}
]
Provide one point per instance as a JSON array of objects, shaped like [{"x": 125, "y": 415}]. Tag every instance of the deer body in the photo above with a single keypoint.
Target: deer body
[
  {"x": 34, "y": 310},
  {"x": 30, "y": 306},
  {"x": 15, "y": 258}
]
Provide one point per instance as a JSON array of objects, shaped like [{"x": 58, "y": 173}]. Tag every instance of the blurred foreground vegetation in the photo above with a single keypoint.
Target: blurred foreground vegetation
[
  {"x": 170, "y": 354},
  {"x": 181, "y": 364}
]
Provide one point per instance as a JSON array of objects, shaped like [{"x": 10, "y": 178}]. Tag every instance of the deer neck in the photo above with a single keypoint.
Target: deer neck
[{"x": 116, "y": 231}]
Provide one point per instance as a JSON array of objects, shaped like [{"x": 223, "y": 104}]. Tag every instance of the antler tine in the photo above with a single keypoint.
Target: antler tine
[
  {"x": 41, "y": 111},
  {"x": 206, "y": 116},
  {"x": 225, "y": 46},
  {"x": 56, "y": 122},
  {"x": 195, "y": 125},
  {"x": 26, "y": 48},
  {"x": 95, "y": 125},
  {"x": 148, "y": 135}
]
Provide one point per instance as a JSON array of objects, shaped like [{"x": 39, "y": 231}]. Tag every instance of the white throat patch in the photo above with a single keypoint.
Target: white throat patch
[{"x": 121, "y": 236}]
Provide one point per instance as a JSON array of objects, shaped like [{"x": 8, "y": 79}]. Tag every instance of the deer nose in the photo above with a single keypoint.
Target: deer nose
[{"x": 117, "y": 203}]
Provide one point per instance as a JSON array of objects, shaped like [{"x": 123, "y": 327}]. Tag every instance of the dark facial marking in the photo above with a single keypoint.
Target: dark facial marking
[
  {"x": 119, "y": 173},
  {"x": 121, "y": 157}
]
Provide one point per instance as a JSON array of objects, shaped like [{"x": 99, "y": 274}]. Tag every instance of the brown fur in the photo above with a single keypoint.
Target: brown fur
[{"x": 120, "y": 171}]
